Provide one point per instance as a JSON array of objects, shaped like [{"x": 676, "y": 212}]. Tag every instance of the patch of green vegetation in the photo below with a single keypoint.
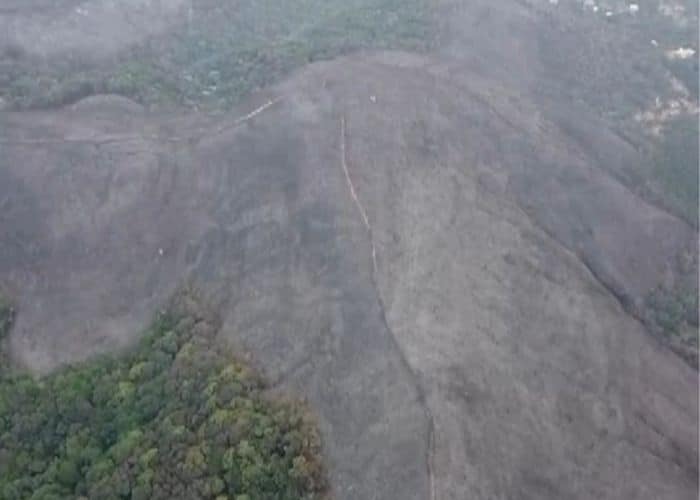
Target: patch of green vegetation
[
  {"x": 673, "y": 313},
  {"x": 675, "y": 167},
  {"x": 226, "y": 51},
  {"x": 28, "y": 83},
  {"x": 7, "y": 316},
  {"x": 176, "y": 418},
  {"x": 673, "y": 309},
  {"x": 142, "y": 82}
]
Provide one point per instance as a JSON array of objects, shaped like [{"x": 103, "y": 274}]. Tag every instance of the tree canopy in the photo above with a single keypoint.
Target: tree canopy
[{"x": 175, "y": 418}]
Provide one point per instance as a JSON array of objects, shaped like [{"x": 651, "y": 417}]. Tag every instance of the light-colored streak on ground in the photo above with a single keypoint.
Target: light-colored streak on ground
[
  {"x": 368, "y": 227},
  {"x": 353, "y": 193},
  {"x": 247, "y": 117},
  {"x": 107, "y": 139}
]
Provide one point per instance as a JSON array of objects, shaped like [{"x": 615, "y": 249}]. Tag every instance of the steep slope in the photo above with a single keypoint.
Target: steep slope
[{"x": 371, "y": 231}]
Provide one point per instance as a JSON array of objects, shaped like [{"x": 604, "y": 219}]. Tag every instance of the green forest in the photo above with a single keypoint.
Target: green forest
[
  {"x": 226, "y": 51},
  {"x": 177, "y": 417}
]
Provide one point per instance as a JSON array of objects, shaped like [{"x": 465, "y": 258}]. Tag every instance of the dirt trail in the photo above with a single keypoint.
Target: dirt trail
[{"x": 430, "y": 459}]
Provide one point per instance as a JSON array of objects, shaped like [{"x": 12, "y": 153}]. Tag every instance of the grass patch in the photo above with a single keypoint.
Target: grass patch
[{"x": 176, "y": 418}]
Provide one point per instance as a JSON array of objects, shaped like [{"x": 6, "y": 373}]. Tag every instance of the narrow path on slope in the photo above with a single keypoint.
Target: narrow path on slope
[
  {"x": 430, "y": 459},
  {"x": 114, "y": 139}
]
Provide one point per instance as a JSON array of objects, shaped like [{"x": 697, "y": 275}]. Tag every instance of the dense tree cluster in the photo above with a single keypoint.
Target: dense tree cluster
[{"x": 174, "y": 419}]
